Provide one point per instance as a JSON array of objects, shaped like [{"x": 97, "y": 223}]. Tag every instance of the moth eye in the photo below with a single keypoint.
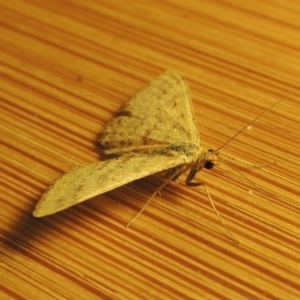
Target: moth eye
[{"x": 209, "y": 165}]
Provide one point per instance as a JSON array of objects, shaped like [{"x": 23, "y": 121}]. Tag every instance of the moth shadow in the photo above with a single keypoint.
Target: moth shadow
[{"x": 26, "y": 229}]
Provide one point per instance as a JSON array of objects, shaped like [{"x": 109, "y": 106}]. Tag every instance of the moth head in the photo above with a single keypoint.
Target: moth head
[
  {"x": 206, "y": 160},
  {"x": 211, "y": 157}
]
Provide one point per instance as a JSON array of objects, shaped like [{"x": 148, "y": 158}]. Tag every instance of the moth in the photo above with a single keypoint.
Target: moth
[{"x": 156, "y": 131}]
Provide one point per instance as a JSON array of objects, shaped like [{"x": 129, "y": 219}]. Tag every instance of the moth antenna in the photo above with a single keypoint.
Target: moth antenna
[
  {"x": 257, "y": 166},
  {"x": 218, "y": 215},
  {"x": 259, "y": 116},
  {"x": 157, "y": 191}
]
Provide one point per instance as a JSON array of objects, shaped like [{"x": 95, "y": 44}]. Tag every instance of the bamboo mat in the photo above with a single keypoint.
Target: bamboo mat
[{"x": 67, "y": 67}]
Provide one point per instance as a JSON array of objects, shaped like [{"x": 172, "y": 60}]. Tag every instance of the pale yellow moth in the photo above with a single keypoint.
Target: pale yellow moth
[{"x": 141, "y": 146}]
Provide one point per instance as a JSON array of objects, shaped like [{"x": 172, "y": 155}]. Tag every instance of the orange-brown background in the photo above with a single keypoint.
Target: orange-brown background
[{"x": 66, "y": 67}]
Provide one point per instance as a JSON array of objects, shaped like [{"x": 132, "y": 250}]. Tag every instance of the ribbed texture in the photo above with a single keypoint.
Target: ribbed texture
[{"x": 67, "y": 67}]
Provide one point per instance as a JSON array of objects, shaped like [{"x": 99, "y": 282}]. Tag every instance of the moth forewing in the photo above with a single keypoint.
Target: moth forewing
[
  {"x": 86, "y": 181},
  {"x": 159, "y": 116}
]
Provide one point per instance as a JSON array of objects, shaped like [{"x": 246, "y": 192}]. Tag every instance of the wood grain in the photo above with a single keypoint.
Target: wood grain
[{"x": 67, "y": 67}]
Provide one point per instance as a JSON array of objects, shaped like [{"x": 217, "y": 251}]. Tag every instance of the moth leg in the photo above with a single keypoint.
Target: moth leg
[
  {"x": 218, "y": 215},
  {"x": 177, "y": 173},
  {"x": 190, "y": 177},
  {"x": 190, "y": 183}
]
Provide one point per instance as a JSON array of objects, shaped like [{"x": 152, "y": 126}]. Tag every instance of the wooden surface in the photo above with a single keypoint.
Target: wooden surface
[{"x": 67, "y": 67}]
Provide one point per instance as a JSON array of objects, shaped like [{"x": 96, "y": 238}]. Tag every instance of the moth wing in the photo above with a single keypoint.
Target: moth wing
[
  {"x": 86, "y": 181},
  {"x": 160, "y": 115}
]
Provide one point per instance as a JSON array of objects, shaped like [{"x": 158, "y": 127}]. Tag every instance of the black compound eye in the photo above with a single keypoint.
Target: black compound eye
[{"x": 209, "y": 164}]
